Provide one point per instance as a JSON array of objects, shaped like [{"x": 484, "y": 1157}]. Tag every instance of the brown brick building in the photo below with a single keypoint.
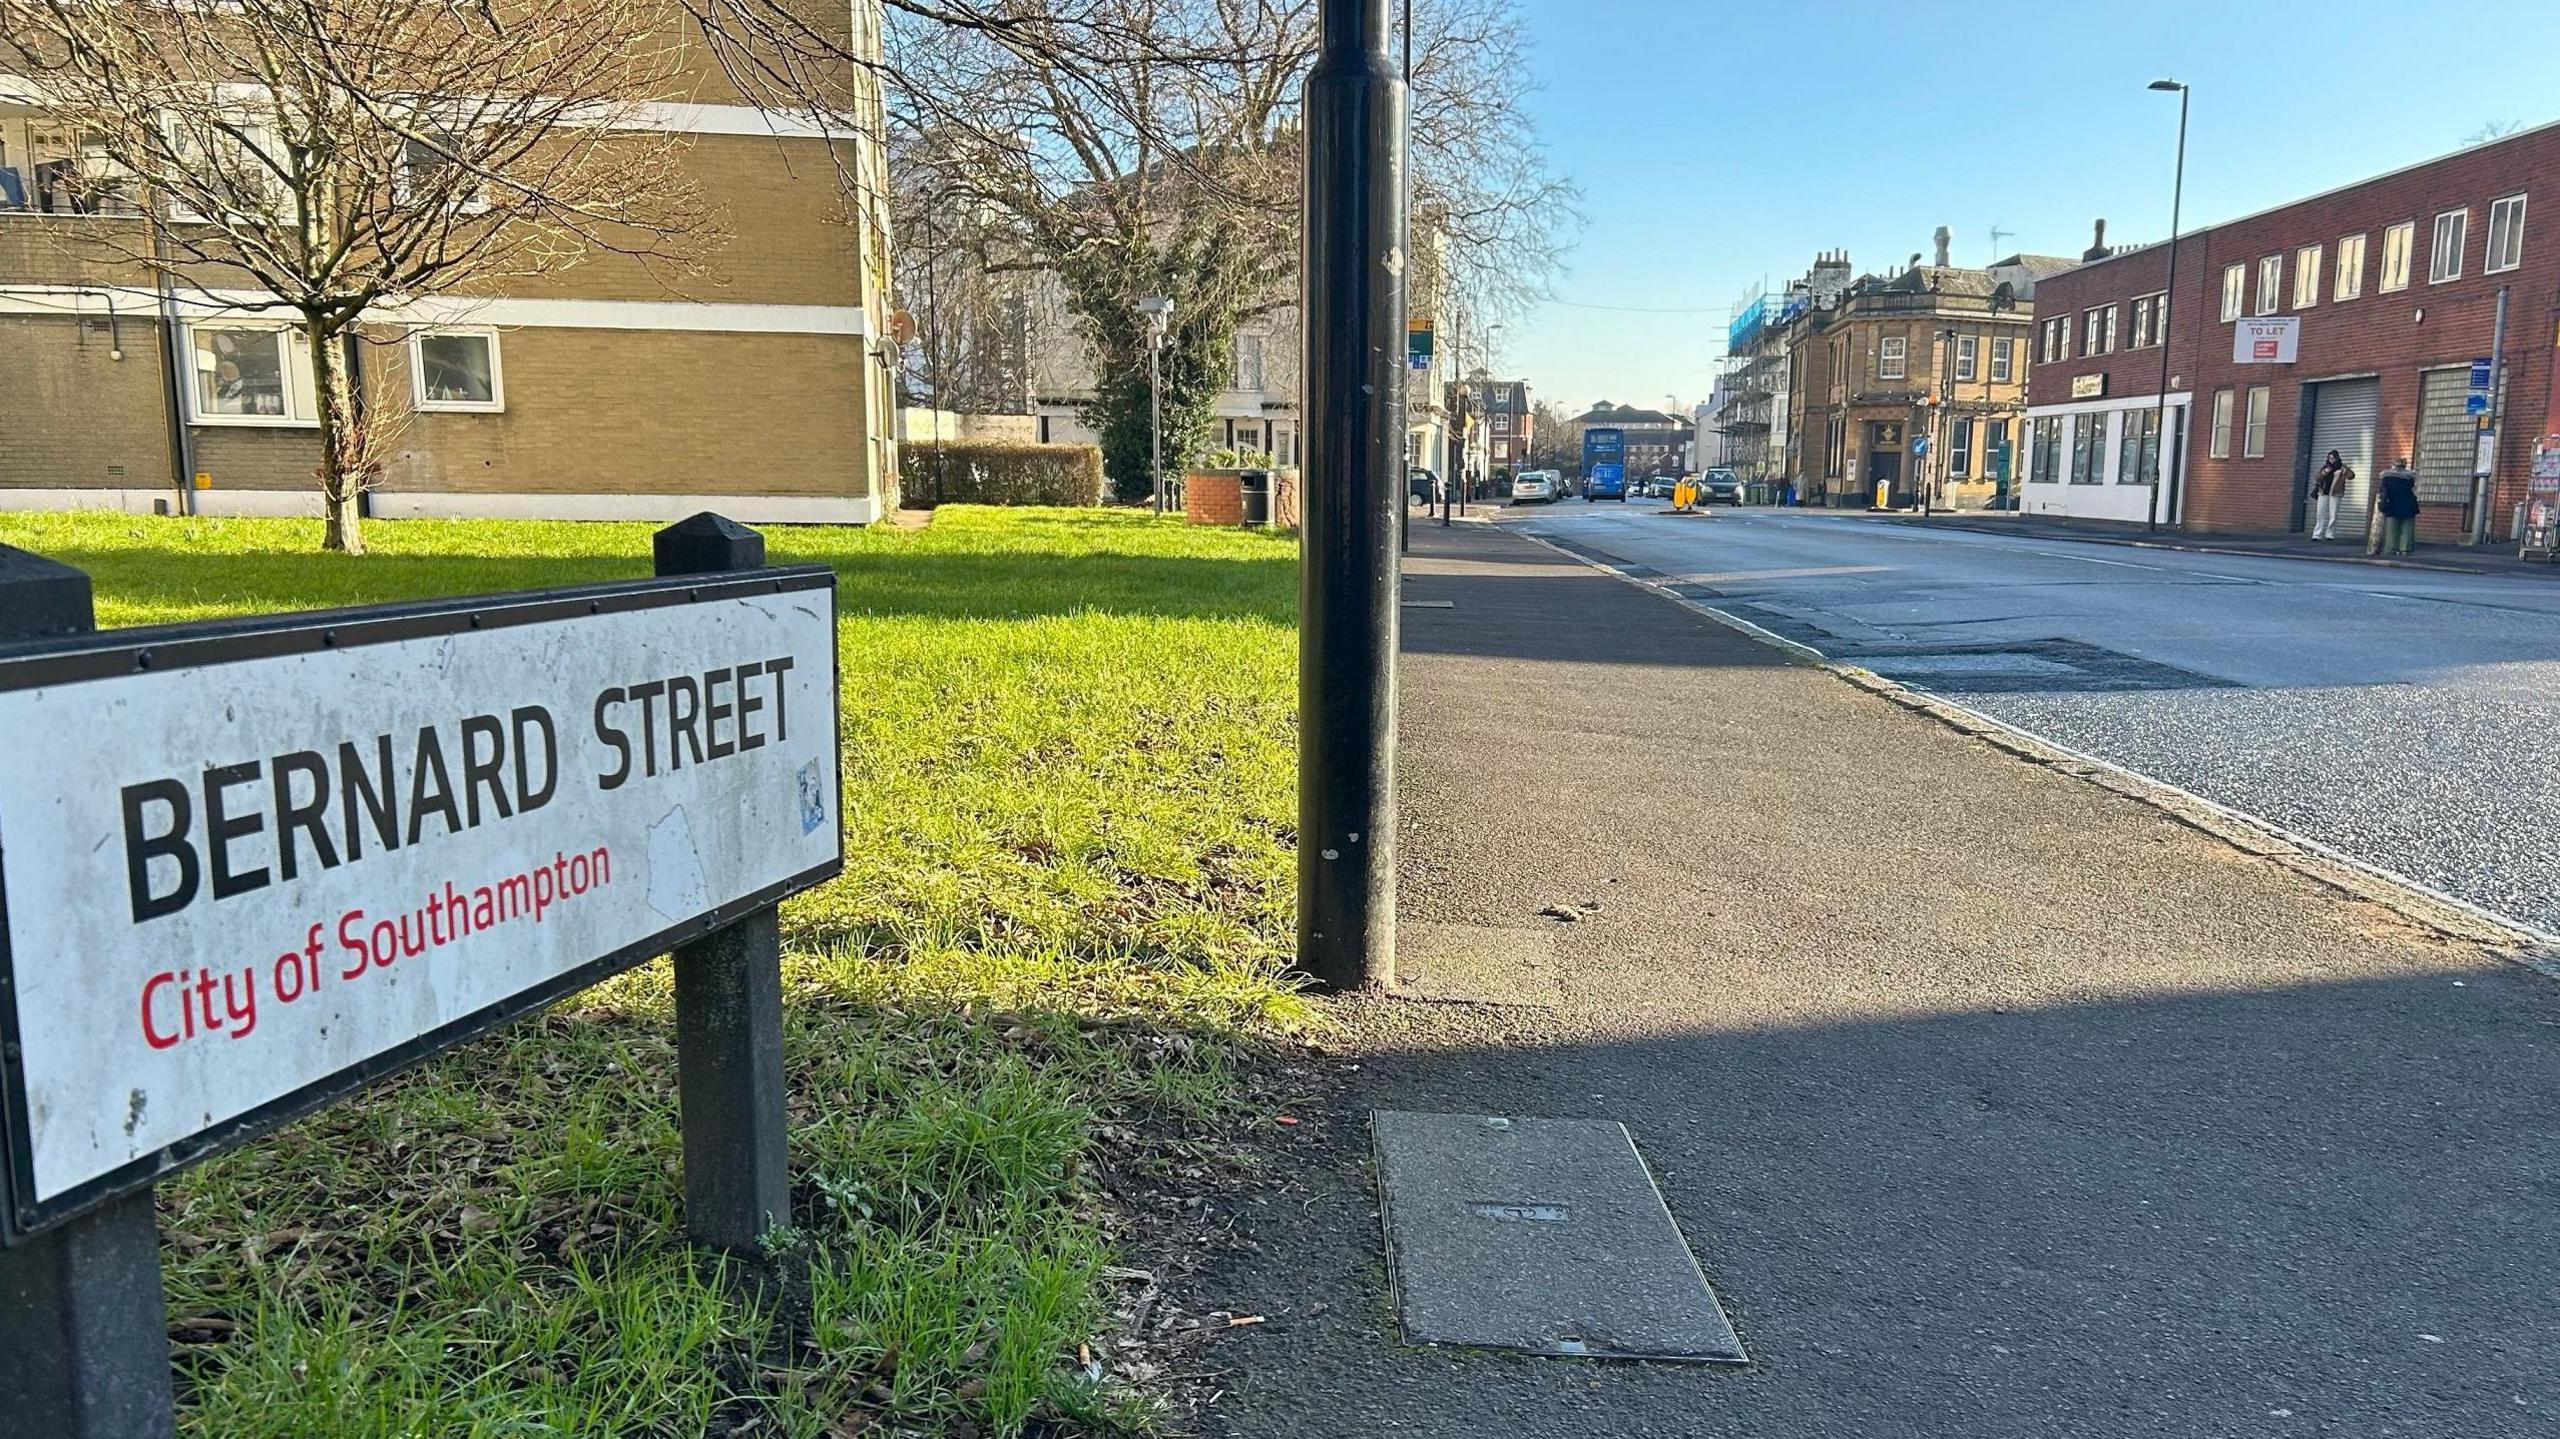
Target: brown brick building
[
  {"x": 763, "y": 388},
  {"x": 2391, "y": 288}
]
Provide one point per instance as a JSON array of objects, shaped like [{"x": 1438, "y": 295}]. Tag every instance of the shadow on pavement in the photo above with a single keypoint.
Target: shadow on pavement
[{"x": 2222, "y": 1214}]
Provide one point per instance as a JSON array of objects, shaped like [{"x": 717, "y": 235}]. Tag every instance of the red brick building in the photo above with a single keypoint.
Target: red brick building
[{"x": 2391, "y": 287}]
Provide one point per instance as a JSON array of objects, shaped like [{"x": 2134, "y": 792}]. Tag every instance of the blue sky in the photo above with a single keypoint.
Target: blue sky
[{"x": 1719, "y": 144}]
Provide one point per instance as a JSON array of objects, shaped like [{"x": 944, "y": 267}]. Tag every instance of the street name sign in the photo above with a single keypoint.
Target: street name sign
[{"x": 247, "y": 867}]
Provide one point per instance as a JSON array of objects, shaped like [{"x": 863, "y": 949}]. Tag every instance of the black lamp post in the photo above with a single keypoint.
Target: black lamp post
[
  {"x": 2168, "y": 308},
  {"x": 1353, "y": 273}
]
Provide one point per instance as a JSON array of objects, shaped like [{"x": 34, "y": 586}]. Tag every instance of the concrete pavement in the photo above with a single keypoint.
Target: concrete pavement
[
  {"x": 1995, "y": 1104},
  {"x": 2409, "y": 719}
]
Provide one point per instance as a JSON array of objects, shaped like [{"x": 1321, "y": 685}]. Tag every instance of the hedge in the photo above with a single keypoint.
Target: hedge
[{"x": 998, "y": 472}]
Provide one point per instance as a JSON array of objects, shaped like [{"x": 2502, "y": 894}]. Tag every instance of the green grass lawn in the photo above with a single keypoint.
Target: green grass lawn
[{"x": 1069, "y": 793}]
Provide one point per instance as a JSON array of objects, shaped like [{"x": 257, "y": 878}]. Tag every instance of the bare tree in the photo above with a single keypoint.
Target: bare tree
[
  {"x": 324, "y": 159},
  {"x": 1159, "y": 154}
]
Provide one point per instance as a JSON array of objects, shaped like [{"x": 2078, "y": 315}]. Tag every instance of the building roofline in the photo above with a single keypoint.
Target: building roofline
[{"x": 2200, "y": 231}]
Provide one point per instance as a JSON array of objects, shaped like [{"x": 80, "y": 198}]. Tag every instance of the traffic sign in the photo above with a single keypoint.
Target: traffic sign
[
  {"x": 2483, "y": 372},
  {"x": 2476, "y": 403}
]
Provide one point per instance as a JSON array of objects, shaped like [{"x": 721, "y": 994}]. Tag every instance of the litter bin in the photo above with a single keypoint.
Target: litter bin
[{"x": 1253, "y": 490}]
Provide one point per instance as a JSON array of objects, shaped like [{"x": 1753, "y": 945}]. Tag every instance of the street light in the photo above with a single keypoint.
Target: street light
[
  {"x": 2168, "y": 308},
  {"x": 1159, "y": 313}
]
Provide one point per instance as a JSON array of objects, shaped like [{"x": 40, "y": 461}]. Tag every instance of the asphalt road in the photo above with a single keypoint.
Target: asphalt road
[{"x": 2406, "y": 718}]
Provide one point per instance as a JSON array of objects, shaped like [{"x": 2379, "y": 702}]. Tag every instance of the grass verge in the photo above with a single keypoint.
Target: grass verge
[{"x": 1069, "y": 798}]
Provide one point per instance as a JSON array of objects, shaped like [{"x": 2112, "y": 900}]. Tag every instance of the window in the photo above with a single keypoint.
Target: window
[
  {"x": 2506, "y": 236},
  {"x": 2221, "y": 425},
  {"x": 1502, "y": 424},
  {"x": 2044, "y": 464},
  {"x": 237, "y": 168},
  {"x": 251, "y": 375},
  {"x": 428, "y": 175},
  {"x": 2306, "y": 277},
  {"x": 2270, "y": 284},
  {"x": 2444, "y": 255},
  {"x": 1960, "y": 448},
  {"x": 2395, "y": 255},
  {"x": 1968, "y": 357},
  {"x": 1995, "y": 446},
  {"x": 2003, "y": 359},
  {"x": 2150, "y": 319},
  {"x": 54, "y": 168},
  {"x": 2350, "y": 282},
  {"x": 456, "y": 370},
  {"x": 2253, "y": 442},
  {"x": 2088, "y": 449},
  {"x": 2057, "y": 340},
  {"x": 1248, "y": 362},
  {"x": 1891, "y": 355},
  {"x": 2098, "y": 330},
  {"x": 2138, "y": 453},
  {"x": 2235, "y": 288}
]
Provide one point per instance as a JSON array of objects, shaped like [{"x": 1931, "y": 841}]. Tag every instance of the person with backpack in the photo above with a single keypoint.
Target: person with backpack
[
  {"x": 2399, "y": 506},
  {"x": 2327, "y": 488}
]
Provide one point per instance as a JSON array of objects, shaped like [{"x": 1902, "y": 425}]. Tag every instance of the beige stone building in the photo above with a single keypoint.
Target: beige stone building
[
  {"x": 1914, "y": 387},
  {"x": 764, "y": 388}
]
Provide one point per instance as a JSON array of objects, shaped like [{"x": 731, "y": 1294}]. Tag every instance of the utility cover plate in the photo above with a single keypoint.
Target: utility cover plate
[{"x": 1544, "y": 1235}]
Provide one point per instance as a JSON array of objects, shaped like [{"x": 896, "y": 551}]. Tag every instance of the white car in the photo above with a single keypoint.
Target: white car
[{"x": 1535, "y": 487}]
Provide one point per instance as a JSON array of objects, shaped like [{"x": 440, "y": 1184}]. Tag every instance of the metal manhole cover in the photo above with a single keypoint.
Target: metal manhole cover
[{"x": 1544, "y": 1235}]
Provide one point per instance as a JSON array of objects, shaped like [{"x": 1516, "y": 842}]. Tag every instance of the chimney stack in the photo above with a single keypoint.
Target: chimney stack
[
  {"x": 1944, "y": 237},
  {"x": 2098, "y": 247}
]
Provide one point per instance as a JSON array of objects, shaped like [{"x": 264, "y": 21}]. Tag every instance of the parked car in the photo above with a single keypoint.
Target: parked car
[
  {"x": 1720, "y": 486},
  {"x": 1535, "y": 487},
  {"x": 1422, "y": 487}
]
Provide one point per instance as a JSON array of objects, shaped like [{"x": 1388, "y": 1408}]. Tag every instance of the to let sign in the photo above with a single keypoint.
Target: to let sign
[
  {"x": 2275, "y": 340},
  {"x": 247, "y": 867}
]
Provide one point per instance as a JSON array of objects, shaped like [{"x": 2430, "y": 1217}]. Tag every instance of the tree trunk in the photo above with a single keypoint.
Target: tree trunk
[{"x": 342, "y": 447}]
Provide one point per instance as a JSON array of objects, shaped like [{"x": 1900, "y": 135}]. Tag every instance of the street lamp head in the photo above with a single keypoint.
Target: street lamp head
[
  {"x": 2168, "y": 86},
  {"x": 1155, "y": 305}
]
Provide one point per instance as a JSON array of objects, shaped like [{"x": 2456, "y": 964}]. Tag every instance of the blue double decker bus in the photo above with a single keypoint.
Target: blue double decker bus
[{"x": 1604, "y": 465}]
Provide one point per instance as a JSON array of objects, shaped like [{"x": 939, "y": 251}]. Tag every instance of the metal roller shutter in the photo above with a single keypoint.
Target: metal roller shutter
[
  {"x": 2345, "y": 414},
  {"x": 2446, "y": 443}
]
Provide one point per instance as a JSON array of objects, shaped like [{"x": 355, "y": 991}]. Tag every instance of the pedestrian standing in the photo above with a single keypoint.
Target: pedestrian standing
[
  {"x": 2327, "y": 488},
  {"x": 2399, "y": 509}
]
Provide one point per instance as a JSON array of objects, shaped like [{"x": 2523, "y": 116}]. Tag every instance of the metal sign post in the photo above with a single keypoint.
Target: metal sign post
[
  {"x": 84, "y": 1322},
  {"x": 1354, "y": 304},
  {"x": 254, "y": 866}
]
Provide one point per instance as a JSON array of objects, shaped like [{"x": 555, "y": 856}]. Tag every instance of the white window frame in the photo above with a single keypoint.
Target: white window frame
[
  {"x": 2220, "y": 447},
  {"x": 301, "y": 391},
  {"x": 1959, "y": 446},
  {"x": 2004, "y": 359},
  {"x": 2440, "y": 253},
  {"x": 2350, "y": 275},
  {"x": 2093, "y": 330},
  {"x": 2306, "y": 275},
  {"x": 1893, "y": 357},
  {"x": 496, "y": 404},
  {"x": 2511, "y": 210},
  {"x": 2254, "y": 426},
  {"x": 1968, "y": 358},
  {"x": 2270, "y": 284},
  {"x": 2235, "y": 290},
  {"x": 2405, "y": 234}
]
